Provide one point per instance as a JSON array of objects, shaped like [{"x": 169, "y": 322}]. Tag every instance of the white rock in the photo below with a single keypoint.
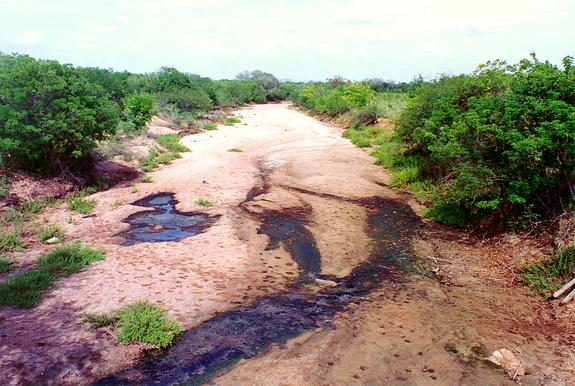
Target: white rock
[
  {"x": 508, "y": 362},
  {"x": 53, "y": 240}
]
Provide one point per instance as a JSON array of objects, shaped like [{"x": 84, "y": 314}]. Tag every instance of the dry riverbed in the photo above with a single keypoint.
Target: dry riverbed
[{"x": 298, "y": 202}]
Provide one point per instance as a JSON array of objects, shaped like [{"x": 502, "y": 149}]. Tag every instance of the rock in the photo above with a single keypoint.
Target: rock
[
  {"x": 508, "y": 362},
  {"x": 53, "y": 240},
  {"x": 327, "y": 283}
]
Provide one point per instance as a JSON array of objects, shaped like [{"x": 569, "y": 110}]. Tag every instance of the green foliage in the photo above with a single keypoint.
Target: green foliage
[
  {"x": 5, "y": 264},
  {"x": 4, "y": 186},
  {"x": 10, "y": 240},
  {"x": 31, "y": 207},
  {"x": 146, "y": 179},
  {"x": 25, "y": 289},
  {"x": 48, "y": 231},
  {"x": 547, "y": 275},
  {"x": 147, "y": 323},
  {"x": 366, "y": 117},
  {"x": 69, "y": 258},
  {"x": 235, "y": 150},
  {"x": 499, "y": 139},
  {"x": 50, "y": 115},
  {"x": 265, "y": 80},
  {"x": 204, "y": 202},
  {"x": 210, "y": 126},
  {"x": 238, "y": 92},
  {"x": 150, "y": 162},
  {"x": 138, "y": 110},
  {"x": 167, "y": 157},
  {"x": 172, "y": 143}
]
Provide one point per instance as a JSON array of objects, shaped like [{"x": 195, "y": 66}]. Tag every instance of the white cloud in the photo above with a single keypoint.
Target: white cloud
[{"x": 30, "y": 38}]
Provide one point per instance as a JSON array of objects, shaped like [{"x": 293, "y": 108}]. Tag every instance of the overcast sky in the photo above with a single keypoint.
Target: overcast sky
[{"x": 295, "y": 39}]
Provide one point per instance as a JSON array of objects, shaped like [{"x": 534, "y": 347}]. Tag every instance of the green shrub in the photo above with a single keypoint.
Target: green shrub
[
  {"x": 48, "y": 231},
  {"x": 172, "y": 143},
  {"x": 405, "y": 175},
  {"x": 147, "y": 323},
  {"x": 5, "y": 264},
  {"x": 138, "y": 110},
  {"x": 50, "y": 116},
  {"x": 366, "y": 117},
  {"x": 547, "y": 275},
  {"x": 448, "y": 213},
  {"x": 25, "y": 289},
  {"x": 69, "y": 258},
  {"x": 10, "y": 240},
  {"x": 150, "y": 162}
]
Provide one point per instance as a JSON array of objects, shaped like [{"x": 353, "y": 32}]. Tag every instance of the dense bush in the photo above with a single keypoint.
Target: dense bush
[
  {"x": 238, "y": 92},
  {"x": 49, "y": 114},
  {"x": 265, "y": 80},
  {"x": 498, "y": 139},
  {"x": 139, "y": 109}
]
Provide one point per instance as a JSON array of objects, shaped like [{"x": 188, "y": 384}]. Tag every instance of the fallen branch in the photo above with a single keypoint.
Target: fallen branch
[
  {"x": 569, "y": 297},
  {"x": 564, "y": 289}
]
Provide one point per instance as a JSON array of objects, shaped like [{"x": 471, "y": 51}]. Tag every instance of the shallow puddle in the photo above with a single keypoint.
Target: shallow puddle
[
  {"x": 243, "y": 332},
  {"x": 164, "y": 223}
]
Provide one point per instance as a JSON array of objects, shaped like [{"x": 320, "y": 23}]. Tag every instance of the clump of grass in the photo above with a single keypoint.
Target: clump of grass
[
  {"x": 115, "y": 205},
  {"x": 448, "y": 213},
  {"x": 167, "y": 157},
  {"x": 4, "y": 186},
  {"x": 149, "y": 163},
  {"x": 133, "y": 189},
  {"x": 25, "y": 289},
  {"x": 147, "y": 179},
  {"x": 547, "y": 275},
  {"x": 172, "y": 143},
  {"x": 12, "y": 216},
  {"x": 11, "y": 241},
  {"x": 235, "y": 150},
  {"x": 232, "y": 120},
  {"x": 404, "y": 176},
  {"x": 69, "y": 258},
  {"x": 80, "y": 204},
  {"x": 145, "y": 322},
  {"x": 210, "y": 126},
  {"x": 100, "y": 320},
  {"x": 204, "y": 202},
  {"x": 5, "y": 264},
  {"x": 48, "y": 231},
  {"x": 31, "y": 207}
]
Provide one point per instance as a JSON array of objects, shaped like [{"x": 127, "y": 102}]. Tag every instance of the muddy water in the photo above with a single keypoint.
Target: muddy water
[
  {"x": 164, "y": 223},
  {"x": 246, "y": 331}
]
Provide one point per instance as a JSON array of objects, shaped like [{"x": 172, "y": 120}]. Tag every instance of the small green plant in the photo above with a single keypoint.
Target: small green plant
[
  {"x": 232, "y": 120},
  {"x": 49, "y": 231},
  {"x": 5, "y": 264},
  {"x": 100, "y": 320},
  {"x": 79, "y": 203},
  {"x": 149, "y": 163},
  {"x": 147, "y": 179},
  {"x": 11, "y": 241},
  {"x": 147, "y": 323},
  {"x": 133, "y": 189},
  {"x": 31, "y": 207},
  {"x": 404, "y": 176},
  {"x": 12, "y": 216},
  {"x": 115, "y": 205},
  {"x": 210, "y": 126},
  {"x": 204, "y": 202},
  {"x": 547, "y": 275},
  {"x": 69, "y": 258},
  {"x": 235, "y": 150},
  {"x": 167, "y": 157},
  {"x": 25, "y": 289},
  {"x": 172, "y": 143}
]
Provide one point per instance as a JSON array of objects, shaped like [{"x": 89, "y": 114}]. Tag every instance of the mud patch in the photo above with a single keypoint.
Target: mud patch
[{"x": 164, "y": 223}]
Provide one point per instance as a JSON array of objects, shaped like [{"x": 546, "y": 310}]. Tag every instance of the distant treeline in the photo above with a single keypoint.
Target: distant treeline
[{"x": 52, "y": 115}]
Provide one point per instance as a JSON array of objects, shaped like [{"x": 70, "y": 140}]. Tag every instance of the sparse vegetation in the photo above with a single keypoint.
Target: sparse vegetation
[
  {"x": 69, "y": 258},
  {"x": 210, "y": 126},
  {"x": 49, "y": 231},
  {"x": 232, "y": 120},
  {"x": 133, "y": 189},
  {"x": 204, "y": 202},
  {"x": 547, "y": 275},
  {"x": 172, "y": 143},
  {"x": 10, "y": 240},
  {"x": 5, "y": 264},
  {"x": 235, "y": 150},
  {"x": 25, "y": 289},
  {"x": 115, "y": 205},
  {"x": 146, "y": 179},
  {"x": 80, "y": 204}
]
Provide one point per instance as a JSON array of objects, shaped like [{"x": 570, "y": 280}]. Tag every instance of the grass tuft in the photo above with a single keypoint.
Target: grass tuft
[
  {"x": 235, "y": 150},
  {"x": 232, "y": 120},
  {"x": 11, "y": 241},
  {"x": 80, "y": 204},
  {"x": 210, "y": 126},
  {"x": 5, "y": 264},
  {"x": 25, "y": 289},
  {"x": 547, "y": 275},
  {"x": 69, "y": 258},
  {"x": 172, "y": 143},
  {"x": 46, "y": 232},
  {"x": 100, "y": 320},
  {"x": 147, "y": 323},
  {"x": 147, "y": 179},
  {"x": 204, "y": 202}
]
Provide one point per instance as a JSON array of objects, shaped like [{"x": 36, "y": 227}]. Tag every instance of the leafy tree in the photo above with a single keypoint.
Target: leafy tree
[
  {"x": 50, "y": 114},
  {"x": 139, "y": 109},
  {"x": 268, "y": 82}
]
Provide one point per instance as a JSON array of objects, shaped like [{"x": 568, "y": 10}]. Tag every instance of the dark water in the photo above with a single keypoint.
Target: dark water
[
  {"x": 246, "y": 331},
  {"x": 164, "y": 223}
]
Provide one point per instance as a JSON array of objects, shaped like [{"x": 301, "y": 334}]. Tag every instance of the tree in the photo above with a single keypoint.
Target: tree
[{"x": 50, "y": 114}]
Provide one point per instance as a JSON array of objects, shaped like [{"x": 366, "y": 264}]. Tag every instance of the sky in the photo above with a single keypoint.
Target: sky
[{"x": 293, "y": 39}]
